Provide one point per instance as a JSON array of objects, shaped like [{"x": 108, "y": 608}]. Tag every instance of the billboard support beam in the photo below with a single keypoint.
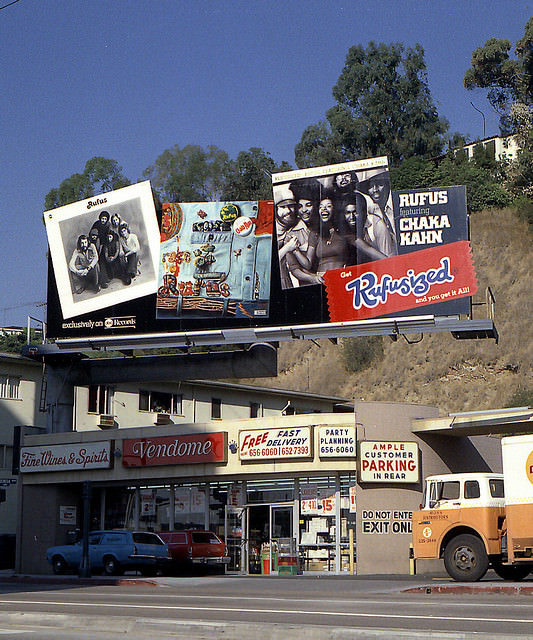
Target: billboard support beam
[
  {"x": 66, "y": 371},
  {"x": 459, "y": 328}
]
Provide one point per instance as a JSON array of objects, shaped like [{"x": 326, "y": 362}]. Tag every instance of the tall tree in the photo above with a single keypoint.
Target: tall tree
[
  {"x": 189, "y": 174},
  {"x": 249, "y": 176},
  {"x": 100, "y": 175},
  {"x": 508, "y": 80},
  {"x": 383, "y": 107}
]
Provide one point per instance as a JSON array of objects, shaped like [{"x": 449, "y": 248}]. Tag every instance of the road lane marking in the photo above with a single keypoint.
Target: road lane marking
[
  {"x": 273, "y": 611},
  {"x": 352, "y": 601}
]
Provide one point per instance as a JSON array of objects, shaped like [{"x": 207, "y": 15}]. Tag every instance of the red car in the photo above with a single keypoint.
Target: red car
[{"x": 195, "y": 548}]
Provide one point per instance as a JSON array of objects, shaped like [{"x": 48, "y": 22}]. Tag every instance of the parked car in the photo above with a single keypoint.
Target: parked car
[
  {"x": 192, "y": 548},
  {"x": 113, "y": 552}
]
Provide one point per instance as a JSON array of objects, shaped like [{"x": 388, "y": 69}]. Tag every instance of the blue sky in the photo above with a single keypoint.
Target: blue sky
[{"x": 127, "y": 79}]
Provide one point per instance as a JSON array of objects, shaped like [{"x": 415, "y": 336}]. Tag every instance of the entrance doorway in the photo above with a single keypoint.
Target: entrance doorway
[
  {"x": 236, "y": 541},
  {"x": 253, "y": 536}
]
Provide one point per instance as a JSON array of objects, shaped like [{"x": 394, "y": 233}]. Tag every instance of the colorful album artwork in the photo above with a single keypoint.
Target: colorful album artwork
[{"x": 215, "y": 260}]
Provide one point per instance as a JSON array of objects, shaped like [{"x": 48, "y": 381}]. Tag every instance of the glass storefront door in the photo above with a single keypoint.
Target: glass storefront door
[
  {"x": 281, "y": 527},
  {"x": 235, "y": 535}
]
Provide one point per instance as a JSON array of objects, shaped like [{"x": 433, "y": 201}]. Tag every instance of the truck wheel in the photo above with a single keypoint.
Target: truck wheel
[
  {"x": 509, "y": 572},
  {"x": 465, "y": 558},
  {"x": 59, "y": 565},
  {"x": 111, "y": 567}
]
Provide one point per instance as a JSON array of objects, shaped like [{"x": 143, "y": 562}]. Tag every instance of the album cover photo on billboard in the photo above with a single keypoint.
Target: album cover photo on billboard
[
  {"x": 331, "y": 217},
  {"x": 105, "y": 249}
]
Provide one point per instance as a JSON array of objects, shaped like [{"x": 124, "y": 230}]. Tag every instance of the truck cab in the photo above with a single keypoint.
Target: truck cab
[{"x": 462, "y": 520}]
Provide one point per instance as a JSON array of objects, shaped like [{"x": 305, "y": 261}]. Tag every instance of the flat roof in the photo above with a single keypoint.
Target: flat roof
[{"x": 514, "y": 420}]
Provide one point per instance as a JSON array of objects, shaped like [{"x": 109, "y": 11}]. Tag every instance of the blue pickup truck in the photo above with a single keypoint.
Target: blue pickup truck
[{"x": 113, "y": 552}]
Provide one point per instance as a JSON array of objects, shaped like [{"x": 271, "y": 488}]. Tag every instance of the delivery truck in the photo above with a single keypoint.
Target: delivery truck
[{"x": 474, "y": 521}]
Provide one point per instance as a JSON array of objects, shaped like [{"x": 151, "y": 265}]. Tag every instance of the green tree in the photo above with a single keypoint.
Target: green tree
[
  {"x": 508, "y": 80},
  {"x": 249, "y": 177},
  {"x": 480, "y": 176},
  {"x": 13, "y": 343},
  {"x": 383, "y": 107},
  {"x": 318, "y": 147},
  {"x": 100, "y": 175},
  {"x": 189, "y": 174}
]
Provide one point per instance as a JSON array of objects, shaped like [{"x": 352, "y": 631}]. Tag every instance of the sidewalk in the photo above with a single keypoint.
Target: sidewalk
[{"x": 427, "y": 584}]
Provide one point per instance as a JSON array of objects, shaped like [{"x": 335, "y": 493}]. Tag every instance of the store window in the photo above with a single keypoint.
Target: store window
[
  {"x": 101, "y": 399},
  {"x": 255, "y": 409},
  {"x": 160, "y": 402},
  {"x": 216, "y": 408},
  {"x": 318, "y": 530},
  {"x": 9, "y": 387},
  {"x": 5, "y": 456}
]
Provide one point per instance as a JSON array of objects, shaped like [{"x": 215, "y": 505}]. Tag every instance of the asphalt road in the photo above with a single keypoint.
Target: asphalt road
[{"x": 314, "y": 608}]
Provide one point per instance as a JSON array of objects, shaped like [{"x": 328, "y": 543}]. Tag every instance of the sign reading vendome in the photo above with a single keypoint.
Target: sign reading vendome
[{"x": 179, "y": 449}]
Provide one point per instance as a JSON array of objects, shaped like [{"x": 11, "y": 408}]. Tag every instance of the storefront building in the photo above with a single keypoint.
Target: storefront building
[
  {"x": 303, "y": 486},
  {"x": 252, "y": 481}
]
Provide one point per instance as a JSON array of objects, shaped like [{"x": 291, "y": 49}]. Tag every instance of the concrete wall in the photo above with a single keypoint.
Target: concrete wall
[
  {"x": 196, "y": 403},
  {"x": 383, "y": 510},
  {"x": 21, "y": 411},
  {"x": 41, "y": 528}
]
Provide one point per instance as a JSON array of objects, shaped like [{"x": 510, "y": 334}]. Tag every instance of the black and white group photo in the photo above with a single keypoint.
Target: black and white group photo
[
  {"x": 331, "y": 221},
  {"x": 104, "y": 254},
  {"x": 109, "y": 251}
]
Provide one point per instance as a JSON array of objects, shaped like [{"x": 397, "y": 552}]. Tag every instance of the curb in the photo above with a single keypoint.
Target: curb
[
  {"x": 122, "y": 582},
  {"x": 203, "y": 629},
  {"x": 510, "y": 589}
]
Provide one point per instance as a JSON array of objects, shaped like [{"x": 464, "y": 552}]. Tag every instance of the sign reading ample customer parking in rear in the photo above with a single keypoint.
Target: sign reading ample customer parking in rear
[
  {"x": 388, "y": 462},
  {"x": 264, "y": 444}
]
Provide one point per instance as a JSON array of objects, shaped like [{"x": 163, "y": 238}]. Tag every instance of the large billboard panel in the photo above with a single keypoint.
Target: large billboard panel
[
  {"x": 331, "y": 217},
  {"x": 215, "y": 260},
  {"x": 334, "y": 245},
  {"x": 104, "y": 249}
]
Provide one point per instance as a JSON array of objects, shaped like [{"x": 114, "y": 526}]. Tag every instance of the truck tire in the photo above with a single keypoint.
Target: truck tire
[
  {"x": 59, "y": 565},
  {"x": 511, "y": 572},
  {"x": 112, "y": 567},
  {"x": 465, "y": 558}
]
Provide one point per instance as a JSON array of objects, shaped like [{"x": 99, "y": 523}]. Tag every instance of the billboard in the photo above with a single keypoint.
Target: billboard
[
  {"x": 104, "y": 250},
  {"x": 215, "y": 260},
  {"x": 334, "y": 245},
  {"x": 332, "y": 217}
]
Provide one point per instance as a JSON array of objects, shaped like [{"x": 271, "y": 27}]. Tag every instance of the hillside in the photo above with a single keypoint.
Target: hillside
[{"x": 455, "y": 375}]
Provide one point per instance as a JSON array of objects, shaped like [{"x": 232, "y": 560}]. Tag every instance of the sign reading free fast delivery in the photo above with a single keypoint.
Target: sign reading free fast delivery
[{"x": 265, "y": 444}]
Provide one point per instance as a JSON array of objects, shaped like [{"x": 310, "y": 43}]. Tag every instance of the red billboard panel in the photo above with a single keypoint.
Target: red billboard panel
[{"x": 409, "y": 281}]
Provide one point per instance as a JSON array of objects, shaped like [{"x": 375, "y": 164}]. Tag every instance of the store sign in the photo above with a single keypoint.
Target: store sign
[
  {"x": 183, "y": 449},
  {"x": 265, "y": 444},
  {"x": 353, "y": 502},
  {"x": 67, "y": 515},
  {"x": 189, "y": 500},
  {"x": 336, "y": 442},
  {"x": 386, "y": 521},
  {"x": 388, "y": 462},
  {"x": 66, "y": 457},
  {"x": 148, "y": 502},
  {"x": 314, "y": 501}
]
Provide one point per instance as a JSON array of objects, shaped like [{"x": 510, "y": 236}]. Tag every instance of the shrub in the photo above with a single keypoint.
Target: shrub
[
  {"x": 357, "y": 354},
  {"x": 521, "y": 398}
]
